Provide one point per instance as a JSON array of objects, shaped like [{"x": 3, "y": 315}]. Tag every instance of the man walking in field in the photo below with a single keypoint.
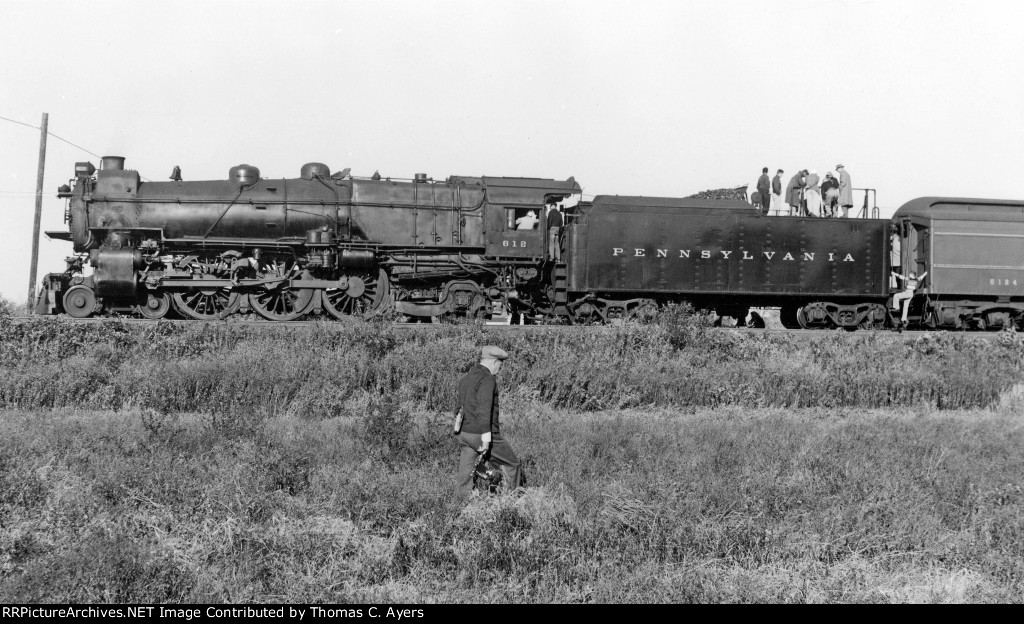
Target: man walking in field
[{"x": 480, "y": 433}]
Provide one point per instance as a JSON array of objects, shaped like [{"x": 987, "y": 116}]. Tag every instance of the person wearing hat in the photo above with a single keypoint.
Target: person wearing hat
[
  {"x": 480, "y": 433},
  {"x": 910, "y": 284},
  {"x": 528, "y": 222},
  {"x": 812, "y": 194},
  {"x": 845, "y": 190},
  {"x": 830, "y": 194}
]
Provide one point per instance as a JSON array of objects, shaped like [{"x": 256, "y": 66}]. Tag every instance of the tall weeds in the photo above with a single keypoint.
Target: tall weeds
[{"x": 319, "y": 373}]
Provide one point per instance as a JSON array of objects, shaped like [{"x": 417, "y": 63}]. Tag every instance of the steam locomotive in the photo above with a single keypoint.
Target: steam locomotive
[{"x": 339, "y": 245}]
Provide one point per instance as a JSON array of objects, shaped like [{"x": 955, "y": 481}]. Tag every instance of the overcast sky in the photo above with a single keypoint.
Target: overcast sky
[{"x": 633, "y": 98}]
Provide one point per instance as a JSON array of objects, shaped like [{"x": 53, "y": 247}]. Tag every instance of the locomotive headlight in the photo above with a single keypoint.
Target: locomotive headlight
[{"x": 84, "y": 169}]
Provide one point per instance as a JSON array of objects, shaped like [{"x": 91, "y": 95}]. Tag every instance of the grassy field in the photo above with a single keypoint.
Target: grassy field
[{"x": 666, "y": 463}]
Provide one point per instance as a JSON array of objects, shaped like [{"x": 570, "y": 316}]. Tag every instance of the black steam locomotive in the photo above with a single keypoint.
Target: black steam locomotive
[{"x": 335, "y": 244}]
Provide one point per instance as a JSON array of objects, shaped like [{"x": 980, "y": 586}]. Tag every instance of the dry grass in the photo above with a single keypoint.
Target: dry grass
[
  {"x": 667, "y": 463},
  {"x": 721, "y": 505}
]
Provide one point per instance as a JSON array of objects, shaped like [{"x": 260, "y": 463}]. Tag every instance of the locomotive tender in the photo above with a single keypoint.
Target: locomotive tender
[{"x": 341, "y": 245}]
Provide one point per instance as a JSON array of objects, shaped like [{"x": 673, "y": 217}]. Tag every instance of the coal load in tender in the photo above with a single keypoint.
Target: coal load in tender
[{"x": 739, "y": 193}]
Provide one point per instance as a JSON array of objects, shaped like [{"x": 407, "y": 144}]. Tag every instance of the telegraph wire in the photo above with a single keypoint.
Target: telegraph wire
[
  {"x": 22, "y": 123},
  {"x": 73, "y": 145}
]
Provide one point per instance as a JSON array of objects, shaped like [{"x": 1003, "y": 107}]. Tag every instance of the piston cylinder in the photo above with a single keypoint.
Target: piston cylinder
[
  {"x": 357, "y": 259},
  {"x": 115, "y": 274}
]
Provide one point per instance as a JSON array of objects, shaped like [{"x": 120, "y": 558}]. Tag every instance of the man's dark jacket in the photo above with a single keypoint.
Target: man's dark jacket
[
  {"x": 763, "y": 184},
  {"x": 478, "y": 397}
]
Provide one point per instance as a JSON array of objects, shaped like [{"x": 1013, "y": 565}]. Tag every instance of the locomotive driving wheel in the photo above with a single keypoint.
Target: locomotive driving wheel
[
  {"x": 206, "y": 304},
  {"x": 155, "y": 305},
  {"x": 365, "y": 296},
  {"x": 281, "y": 302}
]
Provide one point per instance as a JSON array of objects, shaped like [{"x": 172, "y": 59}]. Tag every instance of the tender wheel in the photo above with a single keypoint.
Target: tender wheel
[
  {"x": 644, "y": 312},
  {"x": 155, "y": 306},
  {"x": 365, "y": 296},
  {"x": 587, "y": 314},
  {"x": 207, "y": 304},
  {"x": 801, "y": 319},
  {"x": 80, "y": 301},
  {"x": 282, "y": 303}
]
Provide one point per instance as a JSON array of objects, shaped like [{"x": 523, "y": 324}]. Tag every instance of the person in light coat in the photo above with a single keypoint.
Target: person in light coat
[
  {"x": 845, "y": 190},
  {"x": 812, "y": 193},
  {"x": 776, "y": 203},
  {"x": 910, "y": 284}
]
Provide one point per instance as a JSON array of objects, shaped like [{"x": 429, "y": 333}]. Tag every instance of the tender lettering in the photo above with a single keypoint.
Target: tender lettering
[{"x": 745, "y": 254}]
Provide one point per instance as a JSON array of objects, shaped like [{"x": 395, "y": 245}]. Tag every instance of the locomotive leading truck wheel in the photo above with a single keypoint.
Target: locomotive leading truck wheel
[
  {"x": 79, "y": 301},
  {"x": 155, "y": 305}
]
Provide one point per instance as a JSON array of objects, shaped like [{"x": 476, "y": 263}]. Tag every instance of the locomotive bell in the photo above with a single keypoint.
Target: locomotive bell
[
  {"x": 314, "y": 169},
  {"x": 244, "y": 175}
]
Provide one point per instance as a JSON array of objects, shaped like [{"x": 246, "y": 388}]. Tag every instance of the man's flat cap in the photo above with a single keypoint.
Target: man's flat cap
[{"x": 491, "y": 352}]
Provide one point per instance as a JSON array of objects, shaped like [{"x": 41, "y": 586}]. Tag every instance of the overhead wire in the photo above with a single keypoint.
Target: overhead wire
[{"x": 60, "y": 138}]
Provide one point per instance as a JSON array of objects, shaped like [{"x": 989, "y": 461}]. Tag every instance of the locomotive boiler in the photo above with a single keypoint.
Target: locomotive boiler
[{"x": 285, "y": 248}]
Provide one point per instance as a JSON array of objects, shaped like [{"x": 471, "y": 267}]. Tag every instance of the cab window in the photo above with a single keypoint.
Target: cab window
[{"x": 522, "y": 219}]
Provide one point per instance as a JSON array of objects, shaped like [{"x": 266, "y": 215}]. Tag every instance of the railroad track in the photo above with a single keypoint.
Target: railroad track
[{"x": 497, "y": 327}]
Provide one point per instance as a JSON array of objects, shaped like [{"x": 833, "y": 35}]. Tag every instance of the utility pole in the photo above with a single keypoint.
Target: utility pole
[{"x": 39, "y": 212}]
